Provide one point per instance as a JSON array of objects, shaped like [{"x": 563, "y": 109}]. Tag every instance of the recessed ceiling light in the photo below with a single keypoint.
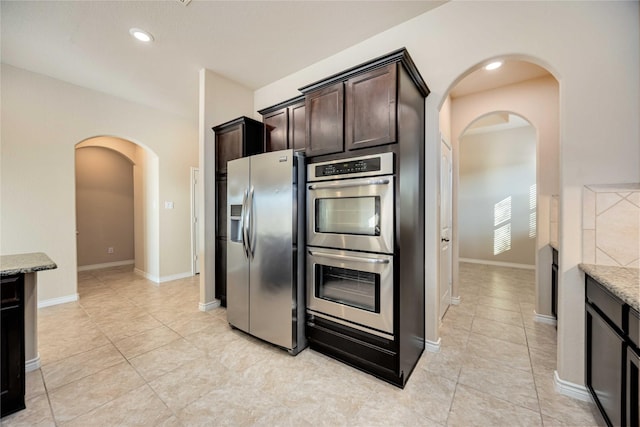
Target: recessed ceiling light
[
  {"x": 493, "y": 65},
  {"x": 141, "y": 35}
]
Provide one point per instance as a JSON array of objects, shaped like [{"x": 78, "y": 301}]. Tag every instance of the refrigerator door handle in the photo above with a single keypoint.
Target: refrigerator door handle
[
  {"x": 243, "y": 217},
  {"x": 249, "y": 222}
]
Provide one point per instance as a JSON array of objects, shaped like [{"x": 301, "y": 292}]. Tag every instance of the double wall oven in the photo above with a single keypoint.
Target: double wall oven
[{"x": 350, "y": 243}]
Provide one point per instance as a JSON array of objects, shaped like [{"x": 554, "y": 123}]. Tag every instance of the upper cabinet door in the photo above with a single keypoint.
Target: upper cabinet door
[
  {"x": 228, "y": 147},
  {"x": 371, "y": 108},
  {"x": 275, "y": 130},
  {"x": 324, "y": 110},
  {"x": 297, "y": 126}
]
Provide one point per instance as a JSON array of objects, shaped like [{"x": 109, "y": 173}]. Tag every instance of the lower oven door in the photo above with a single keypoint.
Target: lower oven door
[{"x": 353, "y": 288}]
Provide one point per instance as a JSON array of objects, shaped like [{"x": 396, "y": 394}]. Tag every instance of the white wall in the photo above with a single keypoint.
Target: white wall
[
  {"x": 592, "y": 48},
  {"x": 494, "y": 166},
  {"x": 42, "y": 121},
  {"x": 221, "y": 100}
]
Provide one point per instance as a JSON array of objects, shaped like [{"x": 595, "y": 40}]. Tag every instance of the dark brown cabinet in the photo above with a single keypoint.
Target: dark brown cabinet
[
  {"x": 554, "y": 282},
  {"x": 12, "y": 374},
  {"x": 612, "y": 355},
  {"x": 234, "y": 139},
  {"x": 325, "y": 121},
  {"x": 378, "y": 107},
  {"x": 359, "y": 108},
  {"x": 284, "y": 125},
  {"x": 633, "y": 381},
  {"x": 370, "y": 113}
]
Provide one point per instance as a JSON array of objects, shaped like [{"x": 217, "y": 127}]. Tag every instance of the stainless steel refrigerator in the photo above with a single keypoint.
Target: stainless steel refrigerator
[{"x": 265, "y": 251}]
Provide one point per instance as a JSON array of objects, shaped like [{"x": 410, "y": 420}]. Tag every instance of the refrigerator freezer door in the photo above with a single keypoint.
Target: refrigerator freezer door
[
  {"x": 271, "y": 228},
  {"x": 237, "y": 260}
]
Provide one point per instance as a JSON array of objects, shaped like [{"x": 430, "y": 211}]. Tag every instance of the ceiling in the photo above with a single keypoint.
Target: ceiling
[
  {"x": 254, "y": 43},
  {"x": 510, "y": 72}
]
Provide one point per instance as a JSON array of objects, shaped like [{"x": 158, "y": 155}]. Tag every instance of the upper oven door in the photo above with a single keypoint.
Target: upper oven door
[{"x": 355, "y": 214}]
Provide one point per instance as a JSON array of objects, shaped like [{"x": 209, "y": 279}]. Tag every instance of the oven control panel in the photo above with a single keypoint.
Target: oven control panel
[
  {"x": 378, "y": 164},
  {"x": 352, "y": 166}
]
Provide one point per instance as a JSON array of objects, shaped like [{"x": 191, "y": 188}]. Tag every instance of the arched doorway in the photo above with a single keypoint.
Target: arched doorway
[
  {"x": 531, "y": 91},
  {"x": 117, "y": 216}
]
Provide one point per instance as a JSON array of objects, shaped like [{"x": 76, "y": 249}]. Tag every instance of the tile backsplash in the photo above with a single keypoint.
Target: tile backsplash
[{"x": 611, "y": 225}]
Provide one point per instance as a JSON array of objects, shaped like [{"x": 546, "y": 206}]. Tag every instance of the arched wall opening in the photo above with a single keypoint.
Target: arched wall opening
[
  {"x": 535, "y": 98},
  {"x": 497, "y": 191},
  {"x": 117, "y": 217}
]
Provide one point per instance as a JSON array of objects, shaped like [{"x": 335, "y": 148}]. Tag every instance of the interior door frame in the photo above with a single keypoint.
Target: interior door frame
[
  {"x": 451, "y": 300},
  {"x": 195, "y": 221}
]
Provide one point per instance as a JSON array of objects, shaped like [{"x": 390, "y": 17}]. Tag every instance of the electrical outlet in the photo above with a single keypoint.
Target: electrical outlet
[{"x": 109, "y": 250}]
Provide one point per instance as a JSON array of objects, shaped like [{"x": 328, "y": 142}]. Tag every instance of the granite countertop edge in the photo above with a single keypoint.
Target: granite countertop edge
[
  {"x": 25, "y": 263},
  {"x": 624, "y": 282}
]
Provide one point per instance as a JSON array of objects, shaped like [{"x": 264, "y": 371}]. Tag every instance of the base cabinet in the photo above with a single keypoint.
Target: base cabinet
[
  {"x": 12, "y": 374},
  {"x": 612, "y": 355},
  {"x": 554, "y": 283},
  {"x": 633, "y": 382},
  {"x": 604, "y": 366}
]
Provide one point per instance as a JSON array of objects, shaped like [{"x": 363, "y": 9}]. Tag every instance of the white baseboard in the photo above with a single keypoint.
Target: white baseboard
[
  {"x": 162, "y": 279},
  {"x": 33, "y": 364},
  {"x": 432, "y": 346},
  {"x": 567, "y": 388},
  {"x": 543, "y": 318},
  {"x": 498, "y": 263},
  {"x": 56, "y": 301},
  {"x": 176, "y": 276},
  {"x": 106, "y": 265},
  {"x": 209, "y": 305},
  {"x": 455, "y": 300}
]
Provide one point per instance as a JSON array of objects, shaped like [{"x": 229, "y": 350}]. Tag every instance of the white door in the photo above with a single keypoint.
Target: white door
[
  {"x": 195, "y": 208},
  {"x": 446, "y": 221}
]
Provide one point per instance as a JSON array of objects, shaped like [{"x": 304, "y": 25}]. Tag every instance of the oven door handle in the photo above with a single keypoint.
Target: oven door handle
[
  {"x": 350, "y": 258},
  {"x": 349, "y": 184}
]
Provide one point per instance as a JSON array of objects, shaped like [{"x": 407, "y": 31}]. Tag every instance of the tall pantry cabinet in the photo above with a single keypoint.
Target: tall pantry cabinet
[{"x": 234, "y": 139}]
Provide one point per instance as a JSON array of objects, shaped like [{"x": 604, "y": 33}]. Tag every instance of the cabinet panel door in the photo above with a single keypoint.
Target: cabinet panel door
[
  {"x": 275, "y": 130},
  {"x": 633, "y": 381},
  {"x": 228, "y": 147},
  {"x": 325, "y": 120},
  {"x": 297, "y": 127},
  {"x": 221, "y": 207},
  {"x": 221, "y": 271},
  {"x": 371, "y": 108},
  {"x": 604, "y": 369}
]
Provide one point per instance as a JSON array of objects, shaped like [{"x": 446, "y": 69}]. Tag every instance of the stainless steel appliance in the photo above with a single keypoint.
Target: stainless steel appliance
[
  {"x": 350, "y": 234},
  {"x": 265, "y": 258},
  {"x": 354, "y": 213},
  {"x": 365, "y": 294},
  {"x": 352, "y": 288}
]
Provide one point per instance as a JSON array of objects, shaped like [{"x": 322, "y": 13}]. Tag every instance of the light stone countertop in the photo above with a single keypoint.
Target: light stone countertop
[
  {"x": 554, "y": 245},
  {"x": 621, "y": 281},
  {"x": 25, "y": 263}
]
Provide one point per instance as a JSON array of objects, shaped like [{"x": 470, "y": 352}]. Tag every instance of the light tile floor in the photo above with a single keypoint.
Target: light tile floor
[{"x": 134, "y": 353}]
